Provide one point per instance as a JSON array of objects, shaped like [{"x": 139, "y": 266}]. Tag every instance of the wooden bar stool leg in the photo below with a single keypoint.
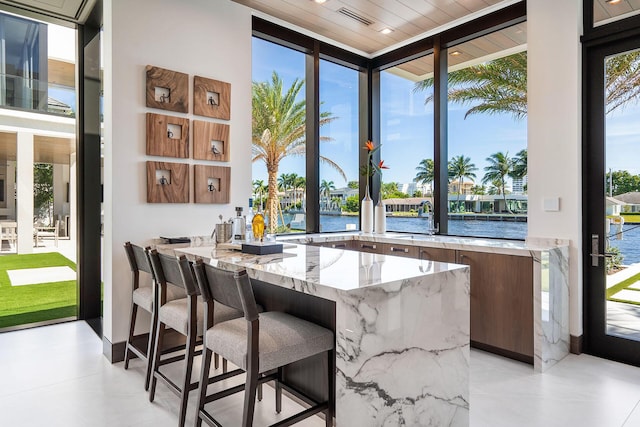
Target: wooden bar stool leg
[
  {"x": 279, "y": 391},
  {"x": 151, "y": 345},
  {"x": 250, "y": 396},
  {"x": 204, "y": 379},
  {"x": 331, "y": 381},
  {"x": 188, "y": 360},
  {"x": 156, "y": 361},
  {"x": 132, "y": 327},
  {"x": 216, "y": 361}
]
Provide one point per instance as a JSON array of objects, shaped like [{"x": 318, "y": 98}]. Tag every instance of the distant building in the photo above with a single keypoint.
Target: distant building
[
  {"x": 518, "y": 185},
  {"x": 411, "y": 188},
  {"x": 631, "y": 200},
  {"x": 467, "y": 187}
]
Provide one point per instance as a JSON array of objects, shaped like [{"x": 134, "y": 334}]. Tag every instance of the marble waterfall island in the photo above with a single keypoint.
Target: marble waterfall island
[{"x": 401, "y": 326}]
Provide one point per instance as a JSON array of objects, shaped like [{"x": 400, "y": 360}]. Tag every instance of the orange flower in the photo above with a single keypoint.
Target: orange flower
[
  {"x": 369, "y": 146},
  {"x": 382, "y": 166}
]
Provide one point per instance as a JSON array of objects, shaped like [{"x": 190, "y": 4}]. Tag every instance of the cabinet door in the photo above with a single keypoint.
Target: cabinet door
[
  {"x": 368, "y": 247},
  {"x": 437, "y": 254},
  {"x": 339, "y": 244},
  {"x": 501, "y": 303},
  {"x": 401, "y": 250}
]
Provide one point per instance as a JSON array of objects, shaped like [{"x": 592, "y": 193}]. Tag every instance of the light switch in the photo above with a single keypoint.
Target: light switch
[{"x": 551, "y": 204}]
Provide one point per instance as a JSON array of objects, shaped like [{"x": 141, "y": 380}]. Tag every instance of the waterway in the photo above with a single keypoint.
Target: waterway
[{"x": 628, "y": 243}]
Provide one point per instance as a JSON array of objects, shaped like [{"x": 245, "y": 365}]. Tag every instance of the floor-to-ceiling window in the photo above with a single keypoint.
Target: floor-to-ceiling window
[
  {"x": 278, "y": 174},
  {"x": 339, "y": 147},
  {"x": 611, "y": 180},
  {"x": 487, "y": 135},
  {"x": 406, "y": 138},
  {"x": 402, "y": 114},
  {"x": 37, "y": 171}
]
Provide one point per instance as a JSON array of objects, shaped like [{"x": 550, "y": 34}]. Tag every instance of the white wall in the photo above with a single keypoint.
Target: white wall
[
  {"x": 554, "y": 134},
  {"x": 198, "y": 37}
]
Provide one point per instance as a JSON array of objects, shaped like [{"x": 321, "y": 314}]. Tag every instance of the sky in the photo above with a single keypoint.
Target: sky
[
  {"x": 61, "y": 45},
  {"x": 407, "y": 124}
]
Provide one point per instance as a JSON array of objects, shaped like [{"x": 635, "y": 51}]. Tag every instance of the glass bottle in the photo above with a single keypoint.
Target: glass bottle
[
  {"x": 248, "y": 235},
  {"x": 257, "y": 226}
]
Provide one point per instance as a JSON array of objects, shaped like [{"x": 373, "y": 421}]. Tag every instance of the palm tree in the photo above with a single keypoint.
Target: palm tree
[
  {"x": 425, "y": 174},
  {"x": 622, "y": 83},
  {"x": 494, "y": 188},
  {"x": 520, "y": 164},
  {"x": 500, "y": 86},
  {"x": 500, "y": 166},
  {"x": 325, "y": 189},
  {"x": 278, "y": 131},
  {"x": 258, "y": 190},
  {"x": 299, "y": 184},
  {"x": 460, "y": 167},
  {"x": 284, "y": 182}
]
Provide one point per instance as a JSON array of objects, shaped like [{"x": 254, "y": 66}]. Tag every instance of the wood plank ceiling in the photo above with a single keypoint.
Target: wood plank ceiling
[
  {"x": 334, "y": 19},
  {"x": 47, "y": 149},
  {"x": 409, "y": 19},
  {"x": 604, "y": 11}
]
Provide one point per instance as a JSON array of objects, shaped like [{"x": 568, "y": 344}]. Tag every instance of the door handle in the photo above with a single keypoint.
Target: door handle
[{"x": 595, "y": 252}]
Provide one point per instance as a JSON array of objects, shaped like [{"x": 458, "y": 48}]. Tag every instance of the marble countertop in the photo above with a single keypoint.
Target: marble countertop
[
  {"x": 329, "y": 268},
  {"x": 510, "y": 247}
]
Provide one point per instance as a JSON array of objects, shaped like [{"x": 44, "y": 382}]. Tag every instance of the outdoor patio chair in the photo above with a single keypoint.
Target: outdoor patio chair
[
  {"x": 260, "y": 344},
  {"x": 41, "y": 232},
  {"x": 8, "y": 232}
]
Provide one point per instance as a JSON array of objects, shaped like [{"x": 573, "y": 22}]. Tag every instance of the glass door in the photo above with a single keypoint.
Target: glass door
[{"x": 612, "y": 202}]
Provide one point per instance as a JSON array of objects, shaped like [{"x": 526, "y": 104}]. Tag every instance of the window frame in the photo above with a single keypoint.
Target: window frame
[{"x": 369, "y": 95}]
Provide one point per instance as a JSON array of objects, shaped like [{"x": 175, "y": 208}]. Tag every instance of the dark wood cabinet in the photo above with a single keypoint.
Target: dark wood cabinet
[
  {"x": 501, "y": 293},
  {"x": 339, "y": 244},
  {"x": 501, "y": 303},
  {"x": 372, "y": 247},
  {"x": 437, "y": 254},
  {"x": 400, "y": 250}
]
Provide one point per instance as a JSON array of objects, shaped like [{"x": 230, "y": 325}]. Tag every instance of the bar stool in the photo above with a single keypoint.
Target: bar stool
[
  {"x": 259, "y": 344},
  {"x": 143, "y": 297},
  {"x": 185, "y": 316}
]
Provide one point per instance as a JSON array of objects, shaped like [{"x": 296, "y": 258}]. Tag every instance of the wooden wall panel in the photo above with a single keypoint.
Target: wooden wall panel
[
  {"x": 212, "y": 184},
  {"x": 211, "y": 141},
  {"x": 174, "y": 97},
  {"x": 211, "y": 98},
  {"x": 167, "y": 136},
  {"x": 167, "y": 182}
]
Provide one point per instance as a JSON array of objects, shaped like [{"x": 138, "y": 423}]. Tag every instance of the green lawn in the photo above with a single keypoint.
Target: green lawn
[
  {"x": 35, "y": 303},
  {"x": 610, "y": 293}
]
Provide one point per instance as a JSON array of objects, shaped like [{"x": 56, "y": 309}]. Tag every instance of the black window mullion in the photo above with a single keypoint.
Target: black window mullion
[
  {"x": 313, "y": 140},
  {"x": 440, "y": 142}
]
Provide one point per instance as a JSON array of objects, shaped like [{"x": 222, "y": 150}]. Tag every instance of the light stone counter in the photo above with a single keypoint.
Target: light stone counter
[
  {"x": 402, "y": 329},
  {"x": 550, "y": 279}
]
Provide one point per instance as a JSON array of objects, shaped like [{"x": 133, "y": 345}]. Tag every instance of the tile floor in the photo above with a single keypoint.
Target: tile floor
[{"x": 57, "y": 376}]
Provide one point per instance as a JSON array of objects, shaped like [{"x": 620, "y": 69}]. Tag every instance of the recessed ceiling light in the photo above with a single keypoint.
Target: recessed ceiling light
[
  {"x": 455, "y": 53},
  {"x": 386, "y": 31},
  {"x": 319, "y": 1},
  {"x": 613, "y": 1}
]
